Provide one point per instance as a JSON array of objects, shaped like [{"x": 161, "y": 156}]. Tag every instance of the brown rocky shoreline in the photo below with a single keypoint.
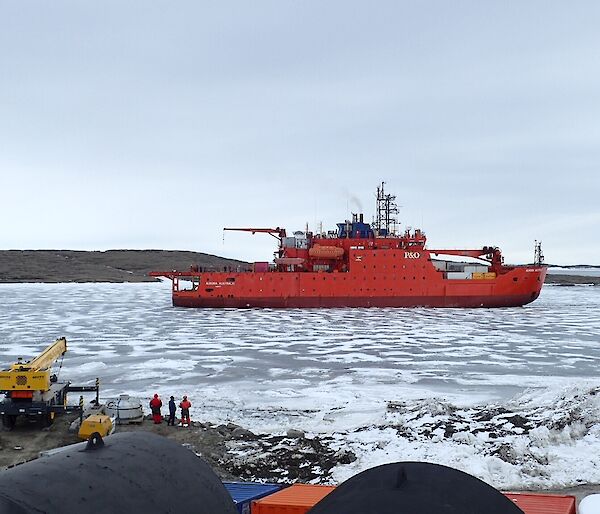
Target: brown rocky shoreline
[{"x": 18, "y": 266}]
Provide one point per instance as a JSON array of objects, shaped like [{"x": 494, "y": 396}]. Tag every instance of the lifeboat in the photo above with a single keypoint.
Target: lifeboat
[{"x": 326, "y": 252}]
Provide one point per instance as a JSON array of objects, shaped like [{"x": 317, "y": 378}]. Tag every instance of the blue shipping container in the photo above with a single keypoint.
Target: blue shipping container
[{"x": 244, "y": 492}]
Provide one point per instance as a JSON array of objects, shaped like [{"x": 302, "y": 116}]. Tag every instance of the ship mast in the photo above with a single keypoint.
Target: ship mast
[
  {"x": 385, "y": 221},
  {"x": 538, "y": 256}
]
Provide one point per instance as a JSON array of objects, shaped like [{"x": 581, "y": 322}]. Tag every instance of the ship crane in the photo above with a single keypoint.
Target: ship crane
[
  {"x": 491, "y": 253},
  {"x": 32, "y": 390},
  {"x": 277, "y": 233}
]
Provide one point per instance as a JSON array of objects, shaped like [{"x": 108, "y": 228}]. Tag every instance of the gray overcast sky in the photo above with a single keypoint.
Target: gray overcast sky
[{"x": 147, "y": 124}]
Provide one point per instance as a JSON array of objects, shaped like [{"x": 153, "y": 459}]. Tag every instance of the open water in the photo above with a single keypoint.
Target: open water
[{"x": 506, "y": 394}]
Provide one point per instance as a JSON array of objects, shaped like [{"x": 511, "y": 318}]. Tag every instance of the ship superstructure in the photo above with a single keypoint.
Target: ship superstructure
[{"x": 363, "y": 265}]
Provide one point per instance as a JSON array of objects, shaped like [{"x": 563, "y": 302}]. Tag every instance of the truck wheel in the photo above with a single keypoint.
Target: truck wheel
[
  {"x": 9, "y": 421},
  {"x": 47, "y": 419}
]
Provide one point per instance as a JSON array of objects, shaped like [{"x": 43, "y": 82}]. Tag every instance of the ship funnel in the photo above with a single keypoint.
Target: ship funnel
[{"x": 361, "y": 217}]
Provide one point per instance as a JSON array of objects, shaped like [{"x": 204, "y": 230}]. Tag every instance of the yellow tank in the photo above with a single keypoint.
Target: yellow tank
[{"x": 95, "y": 423}]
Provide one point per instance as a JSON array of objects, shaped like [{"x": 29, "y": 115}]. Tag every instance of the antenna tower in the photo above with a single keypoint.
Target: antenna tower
[
  {"x": 385, "y": 222},
  {"x": 538, "y": 255}
]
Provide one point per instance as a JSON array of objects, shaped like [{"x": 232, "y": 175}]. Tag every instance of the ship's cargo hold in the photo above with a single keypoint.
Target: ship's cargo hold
[
  {"x": 414, "y": 487},
  {"x": 326, "y": 252},
  {"x": 360, "y": 265},
  {"x": 129, "y": 472},
  {"x": 296, "y": 499},
  {"x": 543, "y": 503},
  {"x": 243, "y": 493},
  {"x": 96, "y": 423},
  {"x": 125, "y": 410}
]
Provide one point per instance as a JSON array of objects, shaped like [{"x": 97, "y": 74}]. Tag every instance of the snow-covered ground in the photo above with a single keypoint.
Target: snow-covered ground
[{"x": 508, "y": 395}]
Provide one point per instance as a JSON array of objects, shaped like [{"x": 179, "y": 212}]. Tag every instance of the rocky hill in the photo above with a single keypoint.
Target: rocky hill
[{"x": 108, "y": 266}]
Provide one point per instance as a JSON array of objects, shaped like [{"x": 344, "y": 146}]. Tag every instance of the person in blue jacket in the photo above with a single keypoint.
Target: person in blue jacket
[{"x": 172, "y": 411}]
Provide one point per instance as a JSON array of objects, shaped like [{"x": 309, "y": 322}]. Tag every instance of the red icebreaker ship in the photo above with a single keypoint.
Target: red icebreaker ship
[{"x": 362, "y": 265}]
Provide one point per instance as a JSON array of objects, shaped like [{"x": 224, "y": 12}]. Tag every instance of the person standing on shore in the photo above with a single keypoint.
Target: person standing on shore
[
  {"x": 185, "y": 411},
  {"x": 172, "y": 411},
  {"x": 155, "y": 405}
]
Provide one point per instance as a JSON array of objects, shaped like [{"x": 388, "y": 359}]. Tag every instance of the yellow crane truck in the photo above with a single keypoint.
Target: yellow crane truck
[{"x": 32, "y": 390}]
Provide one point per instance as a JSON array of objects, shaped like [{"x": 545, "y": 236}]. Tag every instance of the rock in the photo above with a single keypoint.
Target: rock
[
  {"x": 292, "y": 433},
  {"x": 223, "y": 430},
  {"x": 506, "y": 452},
  {"x": 242, "y": 433},
  {"x": 344, "y": 456}
]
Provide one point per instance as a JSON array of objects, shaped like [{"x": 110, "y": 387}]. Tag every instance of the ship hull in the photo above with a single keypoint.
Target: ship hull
[
  {"x": 329, "y": 302},
  {"x": 517, "y": 287}
]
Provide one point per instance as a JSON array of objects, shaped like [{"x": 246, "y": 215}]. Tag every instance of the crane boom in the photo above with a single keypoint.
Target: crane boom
[
  {"x": 279, "y": 233},
  {"x": 45, "y": 359},
  {"x": 486, "y": 250}
]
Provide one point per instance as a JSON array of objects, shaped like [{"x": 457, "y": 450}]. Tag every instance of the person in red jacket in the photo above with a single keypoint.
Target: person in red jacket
[
  {"x": 185, "y": 411},
  {"x": 155, "y": 405}
]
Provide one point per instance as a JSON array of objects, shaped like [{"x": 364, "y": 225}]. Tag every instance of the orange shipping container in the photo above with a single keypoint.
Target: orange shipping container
[
  {"x": 543, "y": 503},
  {"x": 296, "y": 499}
]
